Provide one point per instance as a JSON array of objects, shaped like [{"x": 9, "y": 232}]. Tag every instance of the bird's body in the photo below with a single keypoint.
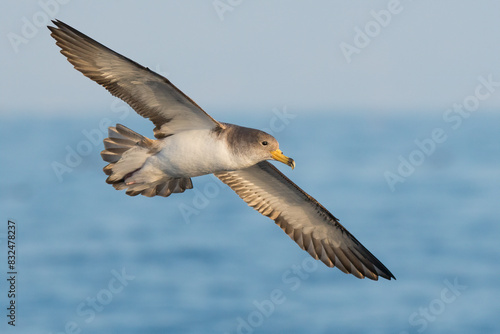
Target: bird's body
[
  {"x": 200, "y": 152},
  {"x": 144, "y": 165},
  {"x": 194, "y": 153},
  {"x": 191, "y": 143}
]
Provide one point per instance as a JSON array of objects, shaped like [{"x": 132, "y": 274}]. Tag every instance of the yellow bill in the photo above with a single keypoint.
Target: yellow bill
[{"x": 279, "y": 156}]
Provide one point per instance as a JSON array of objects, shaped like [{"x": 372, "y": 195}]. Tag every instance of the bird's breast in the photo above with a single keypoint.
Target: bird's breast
[{"x": 196, "y": 152}]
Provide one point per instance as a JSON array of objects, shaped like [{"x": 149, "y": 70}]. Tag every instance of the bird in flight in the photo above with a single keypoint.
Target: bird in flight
[{"x": 190, "y": 143}]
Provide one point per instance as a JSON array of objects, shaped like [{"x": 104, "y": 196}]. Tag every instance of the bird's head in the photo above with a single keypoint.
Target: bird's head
[
  {"x": 270, "y": 146},
  {"x": 254, "y": 146}
]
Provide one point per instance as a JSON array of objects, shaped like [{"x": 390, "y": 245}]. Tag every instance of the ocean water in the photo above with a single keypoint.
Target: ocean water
[{"x": 420, "y": 192}]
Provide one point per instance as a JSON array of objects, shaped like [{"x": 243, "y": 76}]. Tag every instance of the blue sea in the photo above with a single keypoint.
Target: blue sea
[{"x": 421, "y": 191}]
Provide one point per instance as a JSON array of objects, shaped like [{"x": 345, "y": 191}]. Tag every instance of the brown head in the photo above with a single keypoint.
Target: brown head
[{"x": 255, "y": 144}]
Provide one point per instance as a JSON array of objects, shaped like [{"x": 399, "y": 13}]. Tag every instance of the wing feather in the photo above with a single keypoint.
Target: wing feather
[
  {"x": 305, "y": 220},
  {"x": 148, "y": 93}
]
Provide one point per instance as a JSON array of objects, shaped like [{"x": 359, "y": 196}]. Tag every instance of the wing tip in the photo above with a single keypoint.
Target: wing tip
[
  {"x": 389, "y": 276},
  {"x": 381, "y": 272}
]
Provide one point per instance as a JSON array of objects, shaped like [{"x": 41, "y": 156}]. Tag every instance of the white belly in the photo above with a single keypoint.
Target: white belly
[{"x": 195, "y": 153}]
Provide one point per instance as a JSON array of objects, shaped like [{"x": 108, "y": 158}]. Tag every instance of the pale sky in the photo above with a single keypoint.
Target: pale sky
[{"x": 233, "y": 55}]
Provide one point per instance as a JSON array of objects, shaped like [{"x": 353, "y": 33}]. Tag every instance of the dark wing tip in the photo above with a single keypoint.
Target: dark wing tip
[
  {"x": 382, "y": 271},
  {"x": 386, "y": 273},
  {"x": 60, "y": 25},
  {"x": 369, "y": 261},
  {"x": 389, "y": 275}
]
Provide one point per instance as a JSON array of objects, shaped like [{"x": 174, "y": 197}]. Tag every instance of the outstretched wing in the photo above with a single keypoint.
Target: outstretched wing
[
  {"x": 314, "y": 229},
  {"x": 148, "y": 93}
]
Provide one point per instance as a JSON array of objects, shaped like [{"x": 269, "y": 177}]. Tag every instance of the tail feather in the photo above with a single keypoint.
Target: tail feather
[
  {"x": 121, "y": 139},
  {"x": 127, "y": 153},
  {"x": 164, "y": 188},
  {"x": 128, "y": 136}
]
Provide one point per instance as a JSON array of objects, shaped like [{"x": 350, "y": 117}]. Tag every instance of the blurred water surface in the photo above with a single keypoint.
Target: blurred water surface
[{"x": 93, "y": 260}]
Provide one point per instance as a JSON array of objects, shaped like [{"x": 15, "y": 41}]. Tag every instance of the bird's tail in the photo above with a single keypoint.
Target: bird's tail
[{"x": 127, "y": 152}]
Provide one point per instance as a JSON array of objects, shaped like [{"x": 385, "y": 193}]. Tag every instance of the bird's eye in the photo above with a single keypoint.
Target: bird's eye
[{"x": 264, "y": 143}]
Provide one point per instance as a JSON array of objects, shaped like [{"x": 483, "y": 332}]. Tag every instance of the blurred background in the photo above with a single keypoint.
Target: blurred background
[{"x": 389, "y": 108}]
